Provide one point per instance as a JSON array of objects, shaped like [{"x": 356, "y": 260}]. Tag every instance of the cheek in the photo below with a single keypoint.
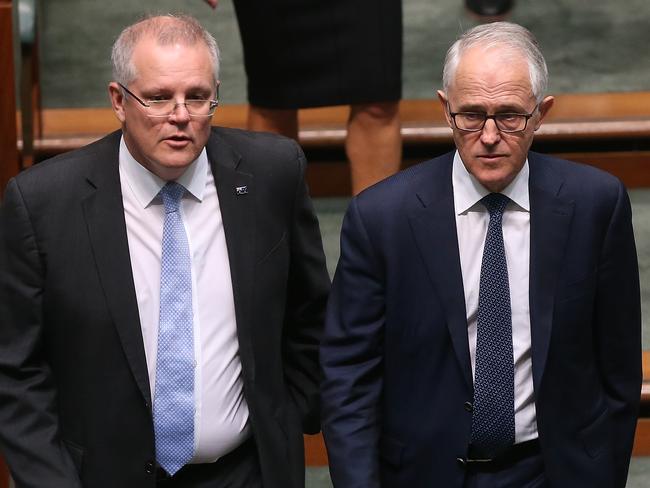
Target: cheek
[
  {"x": 202, "y": 131},
  {"x": 463, "y": 140},
  {"x": 143, "y": 131}
]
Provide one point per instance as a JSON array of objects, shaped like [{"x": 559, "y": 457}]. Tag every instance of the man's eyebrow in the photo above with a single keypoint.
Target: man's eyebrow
[
  {"x": 168, "y": 90},
  {"x": 516, "y": 109},
  {"x": 200, "y": 90},
  {"x": 155, "y": 90},
  {"x": 471, "y": 108}
]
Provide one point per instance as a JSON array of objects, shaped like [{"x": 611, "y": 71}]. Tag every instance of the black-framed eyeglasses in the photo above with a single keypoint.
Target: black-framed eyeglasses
[
  {"x": 196, "y": 107},
  {"x": 505, "y": 122}
]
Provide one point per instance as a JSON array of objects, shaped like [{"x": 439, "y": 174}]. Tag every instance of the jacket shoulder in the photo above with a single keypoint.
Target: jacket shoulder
[
  {"x": 62, "y": 172},
  {"x": 415, "y": 179},
  {"x": 578, "y": 179},
  {"x": 254, "y": 145}
]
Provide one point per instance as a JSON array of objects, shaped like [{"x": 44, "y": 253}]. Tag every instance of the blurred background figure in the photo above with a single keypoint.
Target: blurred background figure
[
  {"x": 489, "y": 9},
  {"x": 313, "y": 53}
]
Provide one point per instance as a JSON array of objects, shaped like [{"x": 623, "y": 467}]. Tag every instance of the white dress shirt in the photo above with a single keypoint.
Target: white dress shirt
[
  {"x": 472, "y": 220},
  {"x": 221, "y": 419}
]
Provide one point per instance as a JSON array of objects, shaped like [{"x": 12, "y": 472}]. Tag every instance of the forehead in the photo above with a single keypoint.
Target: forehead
[
  {"x": 492, "y": 77},
  {"x": 174, "y": 64}
]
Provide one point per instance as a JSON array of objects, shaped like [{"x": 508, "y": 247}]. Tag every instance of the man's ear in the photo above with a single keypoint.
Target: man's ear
[
  {"x": 117, "y": 100},
  {"x": 444, "y": 101},
  {"x": 544, "y": 107}
]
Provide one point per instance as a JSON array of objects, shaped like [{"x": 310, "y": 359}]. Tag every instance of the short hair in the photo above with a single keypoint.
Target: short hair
[
  {"x": 165, "y": 29},
  {"x": 504, "y": 34}
]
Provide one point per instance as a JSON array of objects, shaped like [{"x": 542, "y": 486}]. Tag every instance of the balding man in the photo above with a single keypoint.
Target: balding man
[
  {"x": 484, "y": 323},
  {"x": 161, "y": 292}
]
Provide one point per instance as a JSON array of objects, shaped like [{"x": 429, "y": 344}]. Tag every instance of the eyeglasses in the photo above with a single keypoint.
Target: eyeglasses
[
  {"x": 164, "y": 108},
  {"x": 505, "y": 122}
]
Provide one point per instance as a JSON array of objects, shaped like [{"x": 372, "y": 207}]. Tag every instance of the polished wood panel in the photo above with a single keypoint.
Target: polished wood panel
[
  {"x": 9, "y": 161},
  {"x": 327, "y": 179},
  {"x": 573, "y": 115},
  {"x": 632, "y": 167},
  {"x": 4, "y": 475},
  {"x": 642, "y": 438},
  {"x": 645, "y": 387},
  {"x": 577, "y": 122},
  {"x": 315, "y": 452}
]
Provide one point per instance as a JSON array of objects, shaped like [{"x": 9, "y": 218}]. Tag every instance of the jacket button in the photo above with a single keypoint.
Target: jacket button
[
  {"x": 149, "y": 467},
  {"x": 468, "y": 406}
]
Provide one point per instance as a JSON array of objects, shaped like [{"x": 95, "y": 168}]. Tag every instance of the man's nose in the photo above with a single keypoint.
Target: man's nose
[
  {"x": 180, "y": 113},
  {"x": 490, "y": 134}
]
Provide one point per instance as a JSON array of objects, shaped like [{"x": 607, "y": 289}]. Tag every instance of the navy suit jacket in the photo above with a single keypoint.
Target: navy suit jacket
[{"x": 395, "y": 353}]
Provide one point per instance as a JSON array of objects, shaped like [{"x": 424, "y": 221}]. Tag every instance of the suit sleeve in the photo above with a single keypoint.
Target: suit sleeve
[
  {"x": 351, "y": 358},
  {"x": 29, "y": 436},
  {"x": 618, "y": 330},
  {"x": 307, "y": 292}
]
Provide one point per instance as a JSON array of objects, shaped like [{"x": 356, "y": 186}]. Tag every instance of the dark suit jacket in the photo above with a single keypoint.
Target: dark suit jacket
[
  {"x": 395, "y": 350},
  {"x": 75, "y": 406}
]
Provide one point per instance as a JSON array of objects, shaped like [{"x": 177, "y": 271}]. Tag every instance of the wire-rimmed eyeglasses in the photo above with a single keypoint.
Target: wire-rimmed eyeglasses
[
  {"x": 505, "y": 122},
  {"x": 196, "y": 107}
]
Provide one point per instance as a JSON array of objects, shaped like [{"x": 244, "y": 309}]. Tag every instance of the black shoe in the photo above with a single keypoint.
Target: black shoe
[{"x": 489, "y": 8}]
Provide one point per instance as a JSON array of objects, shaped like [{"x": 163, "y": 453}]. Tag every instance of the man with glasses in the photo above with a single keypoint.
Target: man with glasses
[
  {"x": 483, "y": 328},
  {"x": 162, "y": 291}
]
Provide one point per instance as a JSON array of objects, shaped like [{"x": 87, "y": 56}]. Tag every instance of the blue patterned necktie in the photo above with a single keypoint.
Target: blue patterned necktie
[
  {"x": 493, "y": 418},
  {"x": 173, "y": 409}
]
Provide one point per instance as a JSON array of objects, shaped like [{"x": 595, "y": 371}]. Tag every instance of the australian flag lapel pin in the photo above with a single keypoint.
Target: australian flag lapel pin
[{"x": 241, "y": 190}]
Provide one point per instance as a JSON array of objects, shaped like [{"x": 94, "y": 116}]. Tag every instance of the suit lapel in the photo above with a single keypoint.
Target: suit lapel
[
  {"x": 550, "y": 222},
  {"x": 236, "y": 193},
  {"x": 434, "y": 227},
  {"x": 104, "y": 214}
]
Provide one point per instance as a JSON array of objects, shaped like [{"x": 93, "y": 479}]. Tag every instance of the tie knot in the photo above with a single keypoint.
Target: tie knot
[
  {"x": 171, "y": 195},
  {"x": 495, "y": 203}
]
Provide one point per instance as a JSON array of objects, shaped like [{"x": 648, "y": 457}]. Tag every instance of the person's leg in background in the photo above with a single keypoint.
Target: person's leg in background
[
  {"x": 279, "y": 121},
  {"x": 374, "y": 143}
]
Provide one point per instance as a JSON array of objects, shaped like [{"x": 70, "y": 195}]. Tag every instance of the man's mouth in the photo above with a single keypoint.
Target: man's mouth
[
  {"x": 178, "y": 141},
  {"x": 178, "y": 137},
  {"x": 491, "y": 157}
]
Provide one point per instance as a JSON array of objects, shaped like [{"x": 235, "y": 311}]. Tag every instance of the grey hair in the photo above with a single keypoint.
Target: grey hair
[
  {"x": 165, "y": 29},
  {"x": 503, "y": 34}
]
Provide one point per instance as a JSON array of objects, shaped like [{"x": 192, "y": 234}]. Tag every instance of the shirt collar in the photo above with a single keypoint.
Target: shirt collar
[
  {"x": 468, "y": 191},
  {"x": 146, "y": 185}
]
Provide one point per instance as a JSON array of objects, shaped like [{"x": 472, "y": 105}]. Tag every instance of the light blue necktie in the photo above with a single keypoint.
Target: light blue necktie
[
  {"x": 173, "y": 409},
  {"x": 493, "y": 418}
]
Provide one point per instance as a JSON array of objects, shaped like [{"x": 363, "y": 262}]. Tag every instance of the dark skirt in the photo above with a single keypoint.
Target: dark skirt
[{"x": 311, "y": 53}]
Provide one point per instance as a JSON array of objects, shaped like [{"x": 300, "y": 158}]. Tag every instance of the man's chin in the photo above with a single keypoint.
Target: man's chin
[
  {"x": 171, "y": 168},
  {"x": 493, "y": 178}
]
